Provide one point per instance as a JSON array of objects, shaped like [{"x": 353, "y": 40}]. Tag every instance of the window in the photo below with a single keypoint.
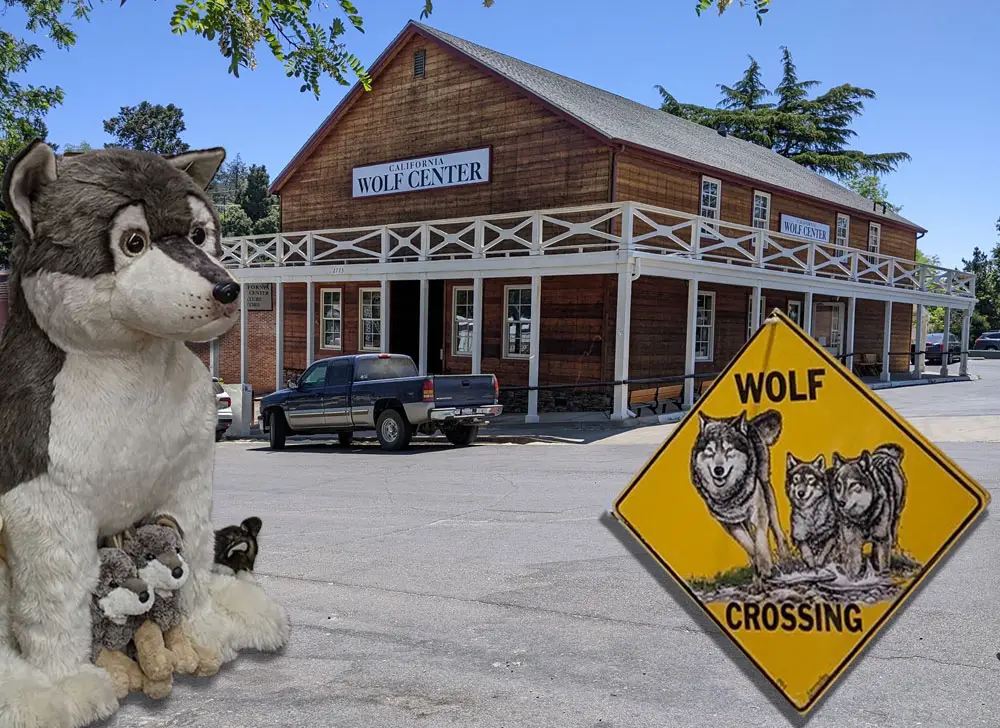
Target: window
[
  {"x": 371, "y": 319},
  {"x": 762, "y": 313},
  {"x": 874, "y": 237},
  {"x": 462, "y": 323},
  {"x": 761, "y": 210},
  {"x": 843, "y": 230},
  {"x": 391, "y": 367},
  {"x": 711, "y": 193},
  {"x": 419, "y": 63},
  {"x": 331, "y": 321},
  {"x": 314, "y": 377},
  {"x": 340, "y": 374},
  {"x": 704, "y": 329},
  {"x": 518, "y": 325},
  {"x": 795, "y": 311}
]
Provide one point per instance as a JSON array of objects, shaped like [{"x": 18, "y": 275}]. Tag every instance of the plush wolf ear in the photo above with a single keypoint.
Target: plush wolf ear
[
  {"x": 252, "y": 525},
  {"x": 169, "y": 522},
  {"x": 201, "y": 165},
  {"x": 30, "y": 170}
]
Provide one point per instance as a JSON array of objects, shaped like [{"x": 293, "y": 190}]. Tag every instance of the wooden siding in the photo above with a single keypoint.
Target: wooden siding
[{"x": 538, "y": 159}]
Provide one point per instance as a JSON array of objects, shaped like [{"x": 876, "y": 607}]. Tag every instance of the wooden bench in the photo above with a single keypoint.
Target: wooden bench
[{"x": 657, "y": 398}]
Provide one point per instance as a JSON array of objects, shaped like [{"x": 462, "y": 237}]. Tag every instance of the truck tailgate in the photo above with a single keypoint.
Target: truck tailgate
[{"x": 463, "y": 390}]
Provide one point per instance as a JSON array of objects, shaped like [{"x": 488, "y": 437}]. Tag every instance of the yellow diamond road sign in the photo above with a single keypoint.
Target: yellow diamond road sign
[{"x": 797, "y": 509}]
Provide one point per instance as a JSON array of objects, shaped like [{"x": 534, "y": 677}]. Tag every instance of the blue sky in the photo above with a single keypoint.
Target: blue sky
[{"x": 934, "y": 70}]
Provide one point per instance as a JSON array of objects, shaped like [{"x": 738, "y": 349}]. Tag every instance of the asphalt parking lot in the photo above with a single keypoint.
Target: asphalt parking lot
[{"x": 481, "y": 587}]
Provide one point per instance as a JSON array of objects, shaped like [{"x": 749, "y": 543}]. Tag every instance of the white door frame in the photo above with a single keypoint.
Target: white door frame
[{"x": 840, "y": 308}]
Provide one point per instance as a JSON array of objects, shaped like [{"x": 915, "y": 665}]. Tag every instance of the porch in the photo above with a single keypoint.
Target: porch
[{"x": 626, "y": 241}]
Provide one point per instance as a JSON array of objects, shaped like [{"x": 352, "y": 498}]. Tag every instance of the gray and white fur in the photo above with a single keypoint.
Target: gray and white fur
[
  {"x": 814, "y": 520},
  {"x": 157, "y": 554},
  {"x": 115, "y": 265},
  {"x": 119, "y": 604}
]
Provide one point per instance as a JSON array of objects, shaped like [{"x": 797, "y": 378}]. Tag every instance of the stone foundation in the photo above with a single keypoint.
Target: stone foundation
[{"x": 557, "y": 400}]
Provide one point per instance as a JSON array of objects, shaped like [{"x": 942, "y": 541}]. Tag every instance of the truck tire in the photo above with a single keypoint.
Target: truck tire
[
  {"x": 462, "y": 435},
  {"x": 393, "y": 430},
  {"x": 277, "y": 431},
  {"x": 344, "y": 438}
]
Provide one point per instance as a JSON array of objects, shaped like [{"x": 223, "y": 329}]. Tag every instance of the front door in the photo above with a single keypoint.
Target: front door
[
  {"x": 305, "y": 405},
  {"x": 338, "y": 392},
  {"x": 828, "y": 326}
]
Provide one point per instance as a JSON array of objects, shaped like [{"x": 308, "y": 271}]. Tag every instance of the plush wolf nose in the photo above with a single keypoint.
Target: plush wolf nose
[
  {"x": 177, "y": 572},
  {"x": 226, "y": 292},
  {"x": 719, "y": 470},
  {"x": 144, "y": 597}
]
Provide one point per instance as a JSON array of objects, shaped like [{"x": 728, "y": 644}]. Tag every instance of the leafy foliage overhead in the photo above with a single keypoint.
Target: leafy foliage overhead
[{"x": 814, "y": 132}]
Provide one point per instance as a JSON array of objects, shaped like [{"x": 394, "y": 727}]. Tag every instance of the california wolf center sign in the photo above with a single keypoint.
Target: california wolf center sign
[
  {"x": 805, "y": 228},
  {"x": 797, "y": 509},
  {"x": 423, "y": 173},
  {"x": 258, "y": 296}
]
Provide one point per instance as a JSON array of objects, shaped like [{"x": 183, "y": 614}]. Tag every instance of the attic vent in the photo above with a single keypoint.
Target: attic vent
[{"x": 419, "y": 61}]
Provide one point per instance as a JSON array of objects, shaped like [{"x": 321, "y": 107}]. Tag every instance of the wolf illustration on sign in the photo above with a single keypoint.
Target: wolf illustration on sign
[
  {"x": 869, "y": 493},
  {"x": 814, "y": 520},
  {"x": 731, "y": 469}
]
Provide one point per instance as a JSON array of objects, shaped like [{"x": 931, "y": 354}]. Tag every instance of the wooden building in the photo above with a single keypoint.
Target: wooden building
[{"x": 483, "y": 214}]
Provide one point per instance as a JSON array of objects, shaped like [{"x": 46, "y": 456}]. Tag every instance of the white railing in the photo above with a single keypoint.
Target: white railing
[{"x": 647, "y": 229}]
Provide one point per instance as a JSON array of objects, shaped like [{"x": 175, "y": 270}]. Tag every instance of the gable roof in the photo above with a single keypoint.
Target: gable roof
[{"x": 618, "y": 120}]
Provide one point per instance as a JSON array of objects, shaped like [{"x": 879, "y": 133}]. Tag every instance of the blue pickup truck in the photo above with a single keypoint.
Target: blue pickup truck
[{"x": 384, "y": 392}]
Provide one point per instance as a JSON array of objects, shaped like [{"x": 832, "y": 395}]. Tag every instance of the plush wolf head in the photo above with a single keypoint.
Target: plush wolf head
[
  {"x": 157, "y": 553},
  {"x": 116, "y": 247},
  {"x": 805, "y": 481},
  {"x": 236, "y": 546},
  {"x": 120, "y": 593},
  {"x": 722, "y": 457}
]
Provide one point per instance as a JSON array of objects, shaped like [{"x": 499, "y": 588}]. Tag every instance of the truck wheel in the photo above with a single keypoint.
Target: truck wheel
[
  {"x": 462, "y": 435},
  {"x": 344, "y": 438},
  {"x": 277, "y": 431},
  {"x": 393, "y": 430}
]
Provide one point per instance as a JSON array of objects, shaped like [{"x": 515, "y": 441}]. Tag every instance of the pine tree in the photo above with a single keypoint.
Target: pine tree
[{"x": 255, "y": 201}]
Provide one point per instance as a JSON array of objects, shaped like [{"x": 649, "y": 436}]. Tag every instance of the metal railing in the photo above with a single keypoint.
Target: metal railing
[{"x": 641, "y": 229}]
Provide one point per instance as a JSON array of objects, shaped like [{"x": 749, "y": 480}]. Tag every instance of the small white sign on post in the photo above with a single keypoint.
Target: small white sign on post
[
  {"x": 800, "y": 228},
  {"x": 258, "y": 296},
  {"x": 471, "y": 167}
]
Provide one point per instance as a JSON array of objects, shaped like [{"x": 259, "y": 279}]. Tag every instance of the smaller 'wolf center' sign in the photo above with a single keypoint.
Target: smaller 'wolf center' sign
[{"x": 797, "y": 509}]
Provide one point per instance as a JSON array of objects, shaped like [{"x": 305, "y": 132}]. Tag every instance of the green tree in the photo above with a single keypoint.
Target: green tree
[
  {"x": 270, "y": 223},
  {"x": 148, "y": 128},
  {"x": 871, "y": 186},
  {"x": 235, "y": 222},
  {"x": 255, "y": 201},
  {"x": 814, "y": 132},
  {"x": 77, "y": 148},
  {"x": 759, "y": 6},
  {"x": 228, "y": 185}
]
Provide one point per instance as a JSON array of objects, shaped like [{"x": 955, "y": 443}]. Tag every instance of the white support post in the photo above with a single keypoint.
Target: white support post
[
  {"x": 213, "y": 357},
  {"x": 383, "y": 324},
  {"x": 807, "y": 314},
  {"x": 477, "y": 325},
  {"x": 755, "y": 312},
  {"x": 310, "y": 323},
  {"x": 623, "y": 321},
  {"x": 536, "y": 320},
  {"x": 244, "y": 364},
  {"x": 692, "y": 319},
  {"x": 279, "y": 334},
  {"x": 963, "y": 365},
  {"x": 946, "y": 342},
  {"x": 424, "y": 294},
  {"x": 919, "y": 342},
  {"x": 886, "y": 340},
  {"x": 852, "y": 305}
]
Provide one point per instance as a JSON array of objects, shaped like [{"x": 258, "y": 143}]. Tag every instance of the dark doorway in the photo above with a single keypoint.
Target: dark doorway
[{"x": 404, "y": 322}]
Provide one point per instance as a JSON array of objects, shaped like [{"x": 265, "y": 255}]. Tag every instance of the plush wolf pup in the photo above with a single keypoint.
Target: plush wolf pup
[
  {"x": 115, "y": 265},
  {"x": 236, "y": 547}
]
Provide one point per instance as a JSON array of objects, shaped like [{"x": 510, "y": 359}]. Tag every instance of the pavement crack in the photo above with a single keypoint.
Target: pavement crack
[
  {"x": 936, "y": 661},
  {"x": 492, "y": 603}
]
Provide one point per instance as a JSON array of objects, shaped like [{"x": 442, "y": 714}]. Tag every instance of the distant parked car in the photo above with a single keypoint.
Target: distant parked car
[
  {"x": 988, "y": 341},
  {"x": 934, "y": 345},
  {"x": 224, "y": 406},
  {"x": 344, "y": 394}
]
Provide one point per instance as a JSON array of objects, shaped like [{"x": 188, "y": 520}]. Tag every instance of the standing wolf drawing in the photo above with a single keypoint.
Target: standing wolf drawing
[
  {"x": 108, "y": 417},
  {"x": 835, "y": 510}
]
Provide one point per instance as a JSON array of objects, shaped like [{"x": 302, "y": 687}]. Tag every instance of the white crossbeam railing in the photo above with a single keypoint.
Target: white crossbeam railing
[{"x": 595, "y": 228}]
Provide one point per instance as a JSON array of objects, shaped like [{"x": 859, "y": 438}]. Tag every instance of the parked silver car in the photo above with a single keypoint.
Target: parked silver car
[{"x": 224, "y": 405}]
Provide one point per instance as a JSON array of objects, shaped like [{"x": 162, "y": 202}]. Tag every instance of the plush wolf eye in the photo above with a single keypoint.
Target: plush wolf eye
[
  {"x": 113, "y": 585},
  {"x": 198, "y": 236},
  {"x": 133, "y": 243}
]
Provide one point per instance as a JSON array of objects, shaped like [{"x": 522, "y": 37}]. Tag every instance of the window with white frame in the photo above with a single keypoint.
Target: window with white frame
[
  {"x": 874, "y": 237},
  {"x": 843, "y": 238},
  {"x": 761, "y": 210},
  {"x": 331, "y": 320},
  {"x": 704, "y": 329},
  {"x": 795, "y": 311},
  {"x": 711, "y": 196},
  {"x": 760, "y": 314},
  {"x": 517, "y": 334},
  {"x": 371, "y": 319},
  {"x": 462, "y": 321}
]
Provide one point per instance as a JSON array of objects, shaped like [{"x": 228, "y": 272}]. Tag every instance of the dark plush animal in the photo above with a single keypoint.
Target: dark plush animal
[
  {"x": 869, "y": 494},
  {"x": 236, "y": 546},
  {"x": 814, "y": 520},
  {"x": 731, "y": 469}
]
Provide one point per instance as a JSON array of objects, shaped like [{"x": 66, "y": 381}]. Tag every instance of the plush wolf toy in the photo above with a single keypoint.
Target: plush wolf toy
[
  {"x": 236, "y": 547},
  {"x": 115, "y": 265}
]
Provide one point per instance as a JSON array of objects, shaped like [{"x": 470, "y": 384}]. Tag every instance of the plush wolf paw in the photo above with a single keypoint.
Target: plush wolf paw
[
  {"x": 90, "y": 695},
  {"x": 156, "y": 661},
  {"x": 157, "y": 689},
  {"x": 186, "y": 659},
  {"x": 30, "y": 701},
  {"x": 208, "y": 662}
]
